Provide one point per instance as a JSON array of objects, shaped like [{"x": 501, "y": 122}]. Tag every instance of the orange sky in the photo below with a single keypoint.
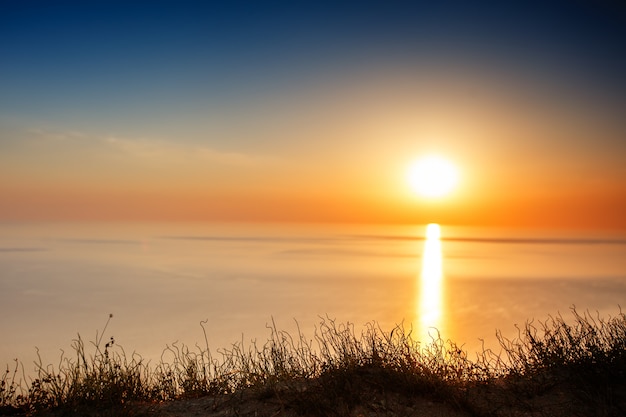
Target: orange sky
[
  {"x": 519, "y": 165},
  {"x": 55, "y": 175}
]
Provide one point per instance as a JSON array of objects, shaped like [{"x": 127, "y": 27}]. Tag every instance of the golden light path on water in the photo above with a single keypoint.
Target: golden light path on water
[{"x": 430, "y": 306}]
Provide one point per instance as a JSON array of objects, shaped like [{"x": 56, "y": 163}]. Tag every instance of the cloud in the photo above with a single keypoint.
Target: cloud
[
  {"x": 50, "y": 158},
  {"x": 162, "y": 150},
  {"x": 77, "y": 143}
]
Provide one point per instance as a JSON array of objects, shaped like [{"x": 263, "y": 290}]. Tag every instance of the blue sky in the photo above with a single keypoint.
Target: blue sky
[{"x": 99, "y": 60}]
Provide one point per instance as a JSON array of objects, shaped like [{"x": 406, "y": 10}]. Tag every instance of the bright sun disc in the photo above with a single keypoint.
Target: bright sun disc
[{"x": 432, "y": 176}]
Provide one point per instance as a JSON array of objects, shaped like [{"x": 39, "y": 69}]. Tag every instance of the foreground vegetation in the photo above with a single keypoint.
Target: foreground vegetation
[{"x": 555, "y": 367}]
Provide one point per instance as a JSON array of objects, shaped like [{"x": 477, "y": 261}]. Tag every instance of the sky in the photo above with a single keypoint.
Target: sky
[{"x": 313, "y": 111}]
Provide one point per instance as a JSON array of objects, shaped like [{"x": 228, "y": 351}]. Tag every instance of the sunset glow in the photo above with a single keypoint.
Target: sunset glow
[
  {"x": 433, "y": 177},
  {"x": 260, "y": 116}
]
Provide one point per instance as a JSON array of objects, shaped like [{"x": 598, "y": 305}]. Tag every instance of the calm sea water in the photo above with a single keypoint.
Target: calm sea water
[{"x": 160, "y": 280}]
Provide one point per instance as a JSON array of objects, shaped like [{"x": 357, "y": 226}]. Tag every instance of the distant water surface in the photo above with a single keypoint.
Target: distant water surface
[{"x": 160, "y": 280}]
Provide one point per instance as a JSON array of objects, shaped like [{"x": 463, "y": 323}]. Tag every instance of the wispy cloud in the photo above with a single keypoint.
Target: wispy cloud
[
  {"x": 150, "y": 149},
  {"x": 64, "y": 157},
  {"x": 55, "y": 135},
  {"x": 76, "y": 143}
]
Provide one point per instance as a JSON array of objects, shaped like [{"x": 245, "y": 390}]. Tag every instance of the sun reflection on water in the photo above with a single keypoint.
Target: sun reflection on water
[{"x": 430, "y": 306}]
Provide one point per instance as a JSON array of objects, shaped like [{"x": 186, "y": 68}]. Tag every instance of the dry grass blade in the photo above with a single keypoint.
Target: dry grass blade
[{"x": 580, "y": 364}]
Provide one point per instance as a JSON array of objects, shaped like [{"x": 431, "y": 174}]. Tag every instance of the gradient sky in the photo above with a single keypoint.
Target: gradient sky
[{"x": 312, "y": 111}]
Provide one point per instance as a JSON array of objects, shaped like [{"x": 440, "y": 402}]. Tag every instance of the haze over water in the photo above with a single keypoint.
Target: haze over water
[{"x": 160, "y": 280}]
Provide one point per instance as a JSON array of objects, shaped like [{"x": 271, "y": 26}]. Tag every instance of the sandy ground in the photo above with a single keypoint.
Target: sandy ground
[
  {"x": 313, "y": 398},
  {"x": 242, "y": 406}
]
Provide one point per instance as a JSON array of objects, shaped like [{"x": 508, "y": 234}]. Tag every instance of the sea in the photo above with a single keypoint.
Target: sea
[{"x": 168, "y": 284}]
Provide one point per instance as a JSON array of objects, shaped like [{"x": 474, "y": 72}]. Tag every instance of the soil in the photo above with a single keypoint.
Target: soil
[
  {"x": 486, "y": 401},
  {"x": 249, "y": 406},
  {"x": 371, "y": 395}
]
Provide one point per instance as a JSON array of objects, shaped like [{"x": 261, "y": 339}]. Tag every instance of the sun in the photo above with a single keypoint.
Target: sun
[{"x": 433, "y": 176}]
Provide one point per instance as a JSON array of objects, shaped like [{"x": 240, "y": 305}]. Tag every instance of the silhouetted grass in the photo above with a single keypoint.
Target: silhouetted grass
[{"x": 552, "y": 368}]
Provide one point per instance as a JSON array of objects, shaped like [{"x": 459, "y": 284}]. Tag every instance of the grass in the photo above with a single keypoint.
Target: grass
[{"x": 554, "y": 367}]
